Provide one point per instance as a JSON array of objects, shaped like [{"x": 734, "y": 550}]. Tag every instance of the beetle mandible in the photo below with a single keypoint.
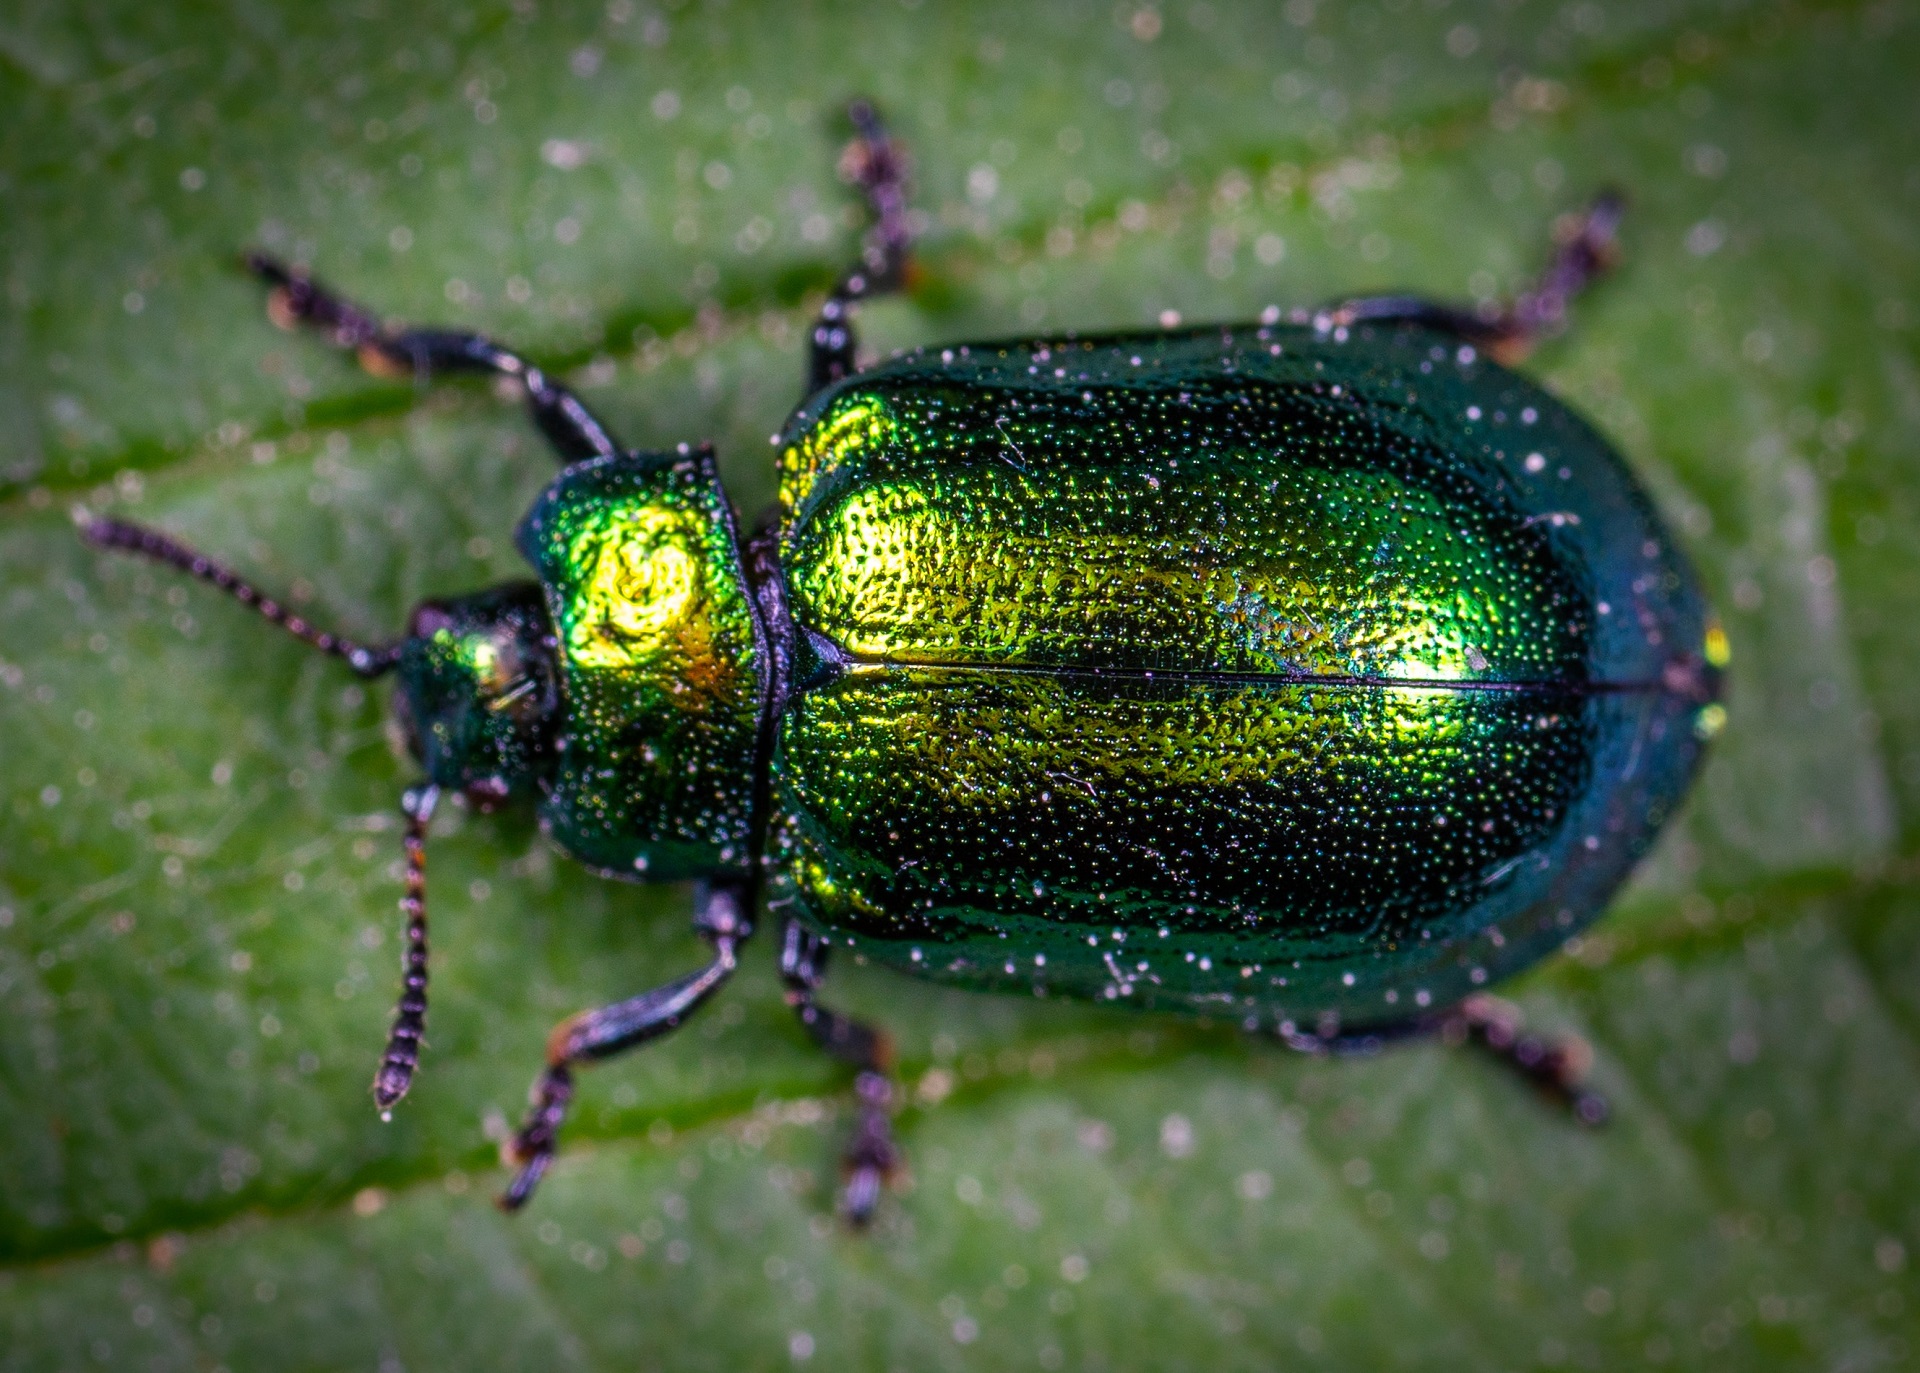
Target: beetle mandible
[{"x": 1311, "y": 673}]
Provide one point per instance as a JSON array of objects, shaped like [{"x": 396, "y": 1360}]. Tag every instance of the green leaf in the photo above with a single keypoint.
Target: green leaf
[{"x": 199, "y": 837}]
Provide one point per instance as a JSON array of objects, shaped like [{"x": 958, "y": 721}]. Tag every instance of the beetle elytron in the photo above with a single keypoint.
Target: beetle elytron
[{"x": 1310, "y": 673}]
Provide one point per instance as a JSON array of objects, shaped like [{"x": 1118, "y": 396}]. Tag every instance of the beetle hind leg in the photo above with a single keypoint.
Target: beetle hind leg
[
  {"x": 721, "y": 919},
  {"x": 1555, "y": 1066},
  {"x": 1585, "y": 247},
  {"x": 387, "y": 350},
  {"x": 871, "y": 1156}
]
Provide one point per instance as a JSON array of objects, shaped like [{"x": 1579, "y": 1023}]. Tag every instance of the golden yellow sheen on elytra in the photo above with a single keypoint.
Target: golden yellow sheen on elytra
[{"x": 1251, "y": 670}]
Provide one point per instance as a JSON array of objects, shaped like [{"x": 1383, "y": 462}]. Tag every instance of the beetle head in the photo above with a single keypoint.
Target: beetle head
[{"x": 479, "y": 693}]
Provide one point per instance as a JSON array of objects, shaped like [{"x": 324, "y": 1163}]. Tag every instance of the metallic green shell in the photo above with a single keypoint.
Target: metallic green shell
[
  {"x": 662, "y": 662},
  {"x": 953, "y": 549},
  {"x": 1259, "y": 671}
]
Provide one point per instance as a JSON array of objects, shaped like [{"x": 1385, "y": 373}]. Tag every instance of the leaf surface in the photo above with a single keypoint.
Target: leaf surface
[{"x": 199, "y": 840}]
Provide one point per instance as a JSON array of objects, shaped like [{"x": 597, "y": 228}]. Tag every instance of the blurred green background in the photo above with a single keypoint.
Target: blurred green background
[{"x": 198, "y": 844}]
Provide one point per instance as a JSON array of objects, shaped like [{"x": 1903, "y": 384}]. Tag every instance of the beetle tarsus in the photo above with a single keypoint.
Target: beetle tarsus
[
  {"x": 1586, "y": 246},
  {"x": 1556, "y": 1067},
  {"x": 525, "y": 1181},
  {"x": 532, "y": 1146},
  {"x": 871, "y": 1158},
  {"x": 876, "y": 163},
  {"x": 388, "y": 350},
  {"x": 294, "y": 299},
  {"x": 721, "y": 918}
]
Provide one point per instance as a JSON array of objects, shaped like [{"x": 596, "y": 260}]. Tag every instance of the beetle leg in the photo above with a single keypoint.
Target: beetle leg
[
  {"x": 721, "y": 918},
  {"x": 1585, "y": 247},
  {"x": 1556, "y": 1067},
  {"x": 386, "y": 350},
  {"x": 875, "y": 163},
  {"x": 871, "y": 1156}
]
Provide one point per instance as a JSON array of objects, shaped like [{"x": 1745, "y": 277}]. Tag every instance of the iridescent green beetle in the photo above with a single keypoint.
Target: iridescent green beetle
[{"x": 1310, "y": 673}]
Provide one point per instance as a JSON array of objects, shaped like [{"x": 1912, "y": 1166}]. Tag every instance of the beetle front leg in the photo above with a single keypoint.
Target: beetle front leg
[
  {"x": 1585, "y": 248},
  {"x": 387, "y": 350},
  {"x": 721, "y": 917},
  {"x": 871, "y": 1156},
  {"x": 875, "y": 163}
]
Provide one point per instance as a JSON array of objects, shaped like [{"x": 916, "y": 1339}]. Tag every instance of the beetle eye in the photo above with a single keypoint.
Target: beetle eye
[{"x": 428, "y": 620}]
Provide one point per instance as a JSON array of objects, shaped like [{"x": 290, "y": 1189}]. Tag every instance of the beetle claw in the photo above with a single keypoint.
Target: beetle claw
[
  {"x": 533, "y": 1168},
  {"x": 532, "y": 1147},
  {"x": 281, "y": 309},
  {"x": 860, "y": 1198}
]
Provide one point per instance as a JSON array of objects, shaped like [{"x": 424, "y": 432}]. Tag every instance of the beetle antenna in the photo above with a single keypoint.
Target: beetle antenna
[
  {"x": 410, "y": 1017},
  {"x": 127, "y": 537}
]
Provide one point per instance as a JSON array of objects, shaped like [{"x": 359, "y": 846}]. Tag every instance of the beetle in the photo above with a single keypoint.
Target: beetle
[{"x": 1312, "y": 673}]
